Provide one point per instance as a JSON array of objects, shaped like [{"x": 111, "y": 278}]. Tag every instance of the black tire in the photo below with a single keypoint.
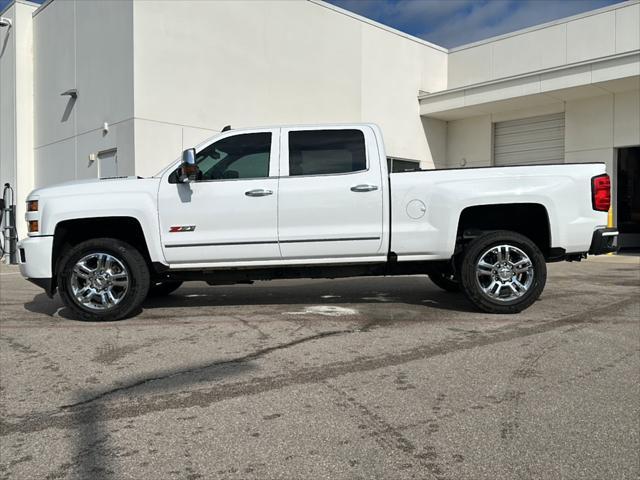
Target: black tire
[
  {"x": 445, "y": 281},
  {"x": 471, "y": 285},
  {"x": 136, "y": 269},
  {"x": 163, "y": 288}
]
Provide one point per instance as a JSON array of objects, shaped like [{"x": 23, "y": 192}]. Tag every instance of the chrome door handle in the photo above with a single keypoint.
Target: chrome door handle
[
  {"x": 364, "y": 188},
  {"x": 258, "y": 193}
]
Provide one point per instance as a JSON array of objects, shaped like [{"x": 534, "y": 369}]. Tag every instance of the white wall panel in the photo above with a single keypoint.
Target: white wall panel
[
  {"x": 295, "y": 62},
  {"x": 544, "y": 48},
  {"x": 469, "y": 140},
  {"x": 157, "y": 144},
  {"x": 193, "y": 136},
  {"x": 469, "y": 66},
  {"x": 589, "y": 123},
  {"x": 560, "y": 43},
  {"x": 54, "y": 72},
  {"x": 534, "y": 111},
  {"x": 436, "y": 133},
  {"x": 557, "y": 80},
  {"x": 626, "y": 131},
  {"x": 87, "y": 46},
  {"x": 95, "y": 142},
  {"x": 104, "y": 60},
  {"x": 511, "y": 88},
  {"x": 24, "y": 110},
  {"x": 388, "y": 95},
  {"x": 616, "y": 68},
  {"x": 591, "y": 37},
  {"x": 191, "y": 74},
  {"x": 53, "y": 163},
  {"x": 16, "y": 106},
  {"x": 628, "y": 28},
  {"x": 8, "y": 103},
  {"x": 125, "y": 132}
]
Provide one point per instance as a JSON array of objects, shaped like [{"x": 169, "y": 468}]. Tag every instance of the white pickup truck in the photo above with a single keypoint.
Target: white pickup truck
[{"x": 311, "y": 202}]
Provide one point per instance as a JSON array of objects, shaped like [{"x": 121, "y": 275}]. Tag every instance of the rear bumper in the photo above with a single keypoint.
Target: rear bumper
[{"x": 604, "y": 240}]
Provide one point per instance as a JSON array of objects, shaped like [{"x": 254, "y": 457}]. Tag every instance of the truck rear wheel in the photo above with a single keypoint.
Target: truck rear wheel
[
  {"x": 103, "y": 279},
  {"x": 503, "y": 272}
]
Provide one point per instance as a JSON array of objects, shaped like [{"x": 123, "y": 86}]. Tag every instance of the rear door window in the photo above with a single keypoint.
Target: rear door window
[{"x": 326, "y": 152}]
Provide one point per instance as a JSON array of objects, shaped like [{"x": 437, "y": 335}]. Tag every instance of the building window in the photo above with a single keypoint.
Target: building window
[{"x": 323, "y": 152}]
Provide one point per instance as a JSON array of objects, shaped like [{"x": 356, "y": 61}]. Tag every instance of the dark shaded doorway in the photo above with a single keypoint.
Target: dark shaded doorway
[{"x": 628, "y": 198}]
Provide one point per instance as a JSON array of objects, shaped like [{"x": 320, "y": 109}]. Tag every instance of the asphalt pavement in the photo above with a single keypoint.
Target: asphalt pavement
[{"x": 357, "y": 379}]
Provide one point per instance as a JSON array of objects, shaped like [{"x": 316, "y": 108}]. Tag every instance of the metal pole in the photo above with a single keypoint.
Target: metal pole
[
  {"x": 9, "y": 231},
  {"x": 13, "y": 236}
]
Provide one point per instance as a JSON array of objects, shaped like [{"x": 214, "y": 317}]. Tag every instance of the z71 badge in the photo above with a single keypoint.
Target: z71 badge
[{"x": 182, "y": 228}]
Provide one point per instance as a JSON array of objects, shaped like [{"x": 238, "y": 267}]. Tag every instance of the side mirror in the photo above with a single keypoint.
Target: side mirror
[{"x": 188, "y": 168}]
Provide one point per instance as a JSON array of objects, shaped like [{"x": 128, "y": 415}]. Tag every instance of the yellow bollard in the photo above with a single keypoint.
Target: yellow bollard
[{"x": 610, "y": 222}]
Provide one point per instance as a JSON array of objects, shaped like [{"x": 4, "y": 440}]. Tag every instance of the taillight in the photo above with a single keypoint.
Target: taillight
[{"x": 601, "y": 193}]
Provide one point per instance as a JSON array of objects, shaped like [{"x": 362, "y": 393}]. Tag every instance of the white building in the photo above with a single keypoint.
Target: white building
[{"x": 113, "y": 87}]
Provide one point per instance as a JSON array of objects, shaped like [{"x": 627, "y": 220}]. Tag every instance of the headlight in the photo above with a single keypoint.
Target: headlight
[
  {"x": 33, "y": 226},
  {"x": 32, "y": 205}
]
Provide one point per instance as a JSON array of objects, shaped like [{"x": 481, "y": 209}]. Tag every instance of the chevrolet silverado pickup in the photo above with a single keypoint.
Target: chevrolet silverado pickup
[{"x": 311, "y": 202}]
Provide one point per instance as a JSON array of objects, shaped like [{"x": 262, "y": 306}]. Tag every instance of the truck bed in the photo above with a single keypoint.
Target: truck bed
[{"x": 426, "y": 205}]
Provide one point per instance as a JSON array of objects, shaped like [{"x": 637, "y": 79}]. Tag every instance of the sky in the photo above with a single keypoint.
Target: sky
[{"x": 450, "y": 23}]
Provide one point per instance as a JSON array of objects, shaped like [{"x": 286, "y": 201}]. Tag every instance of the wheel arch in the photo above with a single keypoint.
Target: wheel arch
[
  {"x": 528, "y": 219},
  {"x": 71, "y": 232}
]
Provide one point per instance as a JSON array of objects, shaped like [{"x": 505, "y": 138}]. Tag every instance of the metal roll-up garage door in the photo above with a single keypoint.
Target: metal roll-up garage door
[{"x": 529, "y": 140}]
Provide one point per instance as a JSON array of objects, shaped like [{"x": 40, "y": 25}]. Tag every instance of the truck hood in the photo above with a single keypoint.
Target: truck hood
[{"x": 99, "y": 186}]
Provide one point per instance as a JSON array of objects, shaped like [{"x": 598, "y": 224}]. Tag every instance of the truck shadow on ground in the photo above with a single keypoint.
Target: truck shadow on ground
[
  {"x": 414, "y": 291},
  {"x": 96, "y": 454}
]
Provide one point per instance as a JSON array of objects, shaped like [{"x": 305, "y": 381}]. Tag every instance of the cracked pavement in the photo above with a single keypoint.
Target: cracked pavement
[{"x": 355, "y": 378}]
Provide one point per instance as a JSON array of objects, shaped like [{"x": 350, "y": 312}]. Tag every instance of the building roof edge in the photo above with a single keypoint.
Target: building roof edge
[
  {"x": 540, "y": 26},
  {"x": 533, "y": 73},
  {"x": 22, "y": 2},
  {"x": 379, "y": 25},
  {"x": 42, "y": 6}
]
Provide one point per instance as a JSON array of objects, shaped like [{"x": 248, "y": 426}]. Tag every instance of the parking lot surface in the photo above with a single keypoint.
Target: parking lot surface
[{"x": 358, "y": 378}]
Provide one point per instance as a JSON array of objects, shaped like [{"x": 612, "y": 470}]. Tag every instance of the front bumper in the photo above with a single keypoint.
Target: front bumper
[
  {"x": 34, "y": 254},
  {"x": 604, "y": 240}
]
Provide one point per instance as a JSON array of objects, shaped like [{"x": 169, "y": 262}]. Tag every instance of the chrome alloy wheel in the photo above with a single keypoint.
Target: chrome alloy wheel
[
  {"x": 504, "y": 273},
  {"x": 99, "y": 281}
]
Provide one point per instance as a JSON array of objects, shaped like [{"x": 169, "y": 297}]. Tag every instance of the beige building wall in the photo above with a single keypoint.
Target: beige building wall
[
  {"x": 594, "y": 127},
  {"x": 269, "y": 63},
  {"x": 469, "y": 142},
  {"x": 86, "y": 46},
  {"x": 588, "y": 68},
  {"x": 16, "y": 105},
  {"x": 600, "y": 33},
  {"x": 164, "y": 79}
]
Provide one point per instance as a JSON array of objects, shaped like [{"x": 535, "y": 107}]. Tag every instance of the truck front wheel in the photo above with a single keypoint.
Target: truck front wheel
[
  {"x": 503, "y": 272},
  {"x": 103, "y": 279}
]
